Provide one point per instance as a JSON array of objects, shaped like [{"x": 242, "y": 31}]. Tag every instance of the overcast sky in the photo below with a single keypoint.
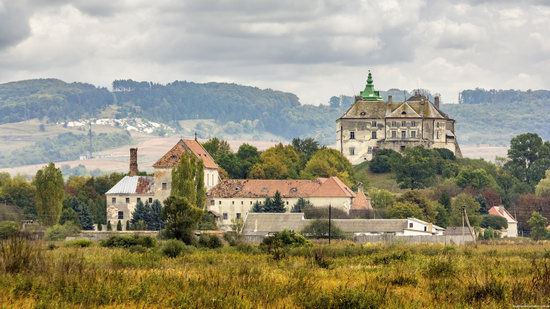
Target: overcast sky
[{"x": 314, "y": 49}]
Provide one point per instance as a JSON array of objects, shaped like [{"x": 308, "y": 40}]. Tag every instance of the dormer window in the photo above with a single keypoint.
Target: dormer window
[{"x": 363, "y": 113}]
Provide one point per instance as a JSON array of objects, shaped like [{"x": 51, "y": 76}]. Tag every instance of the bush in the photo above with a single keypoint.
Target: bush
[
  {"x": 279, "y": 242},
  {"x": 60, "y": 232},
  {"x": 172, "y": 248},
  {"x": 495, "y": 222},
  {"x": 79, "y": 243},
  {"x": 18, "y": 254},
  {"x": 8, "y": 229},
  {"x": 322, "y": 213},
  {"x": 210, "y": 241},
  {"x": 318, "y": 229},
  {"x": 125, "y": 241},
  {"x": 232, "y": 238}
]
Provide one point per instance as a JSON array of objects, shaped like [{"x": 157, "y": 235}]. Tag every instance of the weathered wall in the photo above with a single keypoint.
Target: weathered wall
[{"x": 391, "y": 239}]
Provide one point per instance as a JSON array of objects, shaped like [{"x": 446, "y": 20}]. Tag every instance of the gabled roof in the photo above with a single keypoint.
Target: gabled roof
[
  {"x": 417, "y": 106},
  {"x": 133, "y": 185},
  {"x": 502, "y": 212},
  {"x": 260, "y": 188},
  {"x": 173, "y": 156}
]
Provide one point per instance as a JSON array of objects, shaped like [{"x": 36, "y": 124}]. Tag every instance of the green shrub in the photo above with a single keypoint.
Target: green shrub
[
  {"x": 79, "y": 243},
  {"x": 127, "y": 241},
  {"x": 8, "y": 229},
  {"x": 495, "y": 222},
  {"x": 232, "y": 238},
  {"x": 319, "y": 229},
  {"x": 109, "y": 227},
  {"x": 119, "y": 226},
  {"x": 210, "y": 241},
  {"x": 172, "y": 248},
  {"x": 60, "y": 232},
  {"x": 279, "y": 243}
]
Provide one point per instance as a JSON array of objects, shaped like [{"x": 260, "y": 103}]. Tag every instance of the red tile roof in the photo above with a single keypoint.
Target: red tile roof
[
  {"x": 173, "y": 156},
  {"x": 254, "y": 188},
  {"x": 501, "y": 212},
  {"x": 361, "y": 201}
]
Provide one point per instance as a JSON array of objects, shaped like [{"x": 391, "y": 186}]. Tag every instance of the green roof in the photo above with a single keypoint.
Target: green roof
[{"x": 369, "y": 94}]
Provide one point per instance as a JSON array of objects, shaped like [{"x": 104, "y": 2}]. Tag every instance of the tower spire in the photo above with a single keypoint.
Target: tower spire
[{"x": 369, "y": 94}]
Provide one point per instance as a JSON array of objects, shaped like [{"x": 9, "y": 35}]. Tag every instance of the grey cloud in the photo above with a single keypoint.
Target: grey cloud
[{"x": 14, "y": 24}]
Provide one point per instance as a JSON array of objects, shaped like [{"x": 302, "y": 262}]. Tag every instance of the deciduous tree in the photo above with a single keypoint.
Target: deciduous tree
[{"x": 49, "y": 194}]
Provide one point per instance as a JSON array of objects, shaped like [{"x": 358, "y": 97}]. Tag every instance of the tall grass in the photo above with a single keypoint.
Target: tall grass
[{"x": 318, "y": 276}]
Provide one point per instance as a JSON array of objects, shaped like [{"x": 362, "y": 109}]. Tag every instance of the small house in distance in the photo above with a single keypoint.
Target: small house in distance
[
  {"x": 233, "y": 199},
  {"x": 122, "y": 198},
  {"x": 371, "y": 124},
  {"x": 512, "y": 230}
]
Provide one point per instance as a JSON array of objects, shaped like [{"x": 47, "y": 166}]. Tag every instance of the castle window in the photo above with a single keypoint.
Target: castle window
[
  {"x": 164, "y": 186},
  {"x": 113, "y": 200},
  {"x": 212, "y": 202},
  {"x": 225, "y": 216},
  {"x": 352, "y": 151},
  {"x": 351, "y": 135},
  {"x": 238, "y": 215},
  {"x": 394, "y": 123},
  {"x": 219, "y": 202},
  {"x": 413, "y": 123},
  {"x": 437, "y": 134},
  {"x": 393, "y": 134},
  {"x": 403, "y": 123},
  {"x": 120, "y": 215},
  {"x": 150, "y": 200},
  {"x": 369, "y": 149},
  {"x": 373, "y": 135},
  {"x": 138, "y": 200},
  {"x": 374, "y": 123},
  {"x": 413, "y": 134},
  {"x": 410, "y": 225},
  {"x": 403, "y": 134},
  {"x": 232, "y": 202},
  {"x": 437, "y": 124},
  {"x": 363, "y": 113},
  {"x": 127, "y": 200},
  {"x": 242, "y": 203}
]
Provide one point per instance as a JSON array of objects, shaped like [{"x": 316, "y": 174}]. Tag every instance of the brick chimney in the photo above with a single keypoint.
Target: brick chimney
[
  {"x": 436, "y": 101},
  {"x": 390, "y": 99},
  {"x": 133, "y": 162}
]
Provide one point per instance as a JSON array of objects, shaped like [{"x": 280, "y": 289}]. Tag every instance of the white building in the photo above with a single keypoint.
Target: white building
[
  {"x": 512, "y": 230},
  {"x": 264, "y": 224},
  {"x": 233, "y": 199},
  {"x": 122, "y": 198}
]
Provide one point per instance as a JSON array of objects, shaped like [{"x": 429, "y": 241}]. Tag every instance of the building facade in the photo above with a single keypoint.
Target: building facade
[
  {"x": 122, "y": 198},
  {"x": 233, "y": 199},
  {"x": 512, "y": 230},
  {"x": 371, "y": 124}
]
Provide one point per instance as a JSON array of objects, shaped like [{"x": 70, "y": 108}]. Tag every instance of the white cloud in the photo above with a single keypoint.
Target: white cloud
[{"x": 315, "y": 49}]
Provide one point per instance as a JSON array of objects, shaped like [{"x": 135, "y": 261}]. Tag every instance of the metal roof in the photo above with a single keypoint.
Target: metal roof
[{"x": 129, "y": 185}]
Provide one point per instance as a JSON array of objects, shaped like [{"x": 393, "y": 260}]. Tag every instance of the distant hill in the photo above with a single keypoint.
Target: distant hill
[{"x": 484, "y": 117}]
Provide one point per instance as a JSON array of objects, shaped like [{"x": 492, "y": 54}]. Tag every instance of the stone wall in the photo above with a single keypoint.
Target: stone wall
[{"x": 391, "y": 239}]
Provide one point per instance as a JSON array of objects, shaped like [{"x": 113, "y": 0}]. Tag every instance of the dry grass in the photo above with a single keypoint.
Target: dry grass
[{"x": 341, "y": 276}]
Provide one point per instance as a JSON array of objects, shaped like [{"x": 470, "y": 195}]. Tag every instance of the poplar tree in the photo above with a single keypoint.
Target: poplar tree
[
  {"x": 49, "y": 194},
  {"x": 199, "y": 185},
  {"x": 181, "y": 211}
]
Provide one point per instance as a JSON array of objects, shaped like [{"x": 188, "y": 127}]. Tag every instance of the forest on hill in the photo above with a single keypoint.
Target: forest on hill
[{"x": 483, "y": 117}]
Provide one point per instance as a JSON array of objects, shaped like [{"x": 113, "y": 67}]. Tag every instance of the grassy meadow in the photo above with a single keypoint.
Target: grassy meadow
[{"x": 344, "y": 275}]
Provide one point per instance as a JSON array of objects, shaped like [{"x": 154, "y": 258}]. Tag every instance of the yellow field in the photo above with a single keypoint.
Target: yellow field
[{"x": 342, "y": 276}]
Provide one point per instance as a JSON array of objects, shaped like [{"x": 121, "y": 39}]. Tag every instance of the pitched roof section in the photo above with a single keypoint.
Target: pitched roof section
[
  {"x": 267, "y": 223},
  {"x": 502, "y": 212},
  {"x": 133, "y": 185},
  {"x": 173, "y": 156},
  {"x": 380, "y": 110},
  {"x": 260, "y": 188},
  {"x": 361, "y": 201}
]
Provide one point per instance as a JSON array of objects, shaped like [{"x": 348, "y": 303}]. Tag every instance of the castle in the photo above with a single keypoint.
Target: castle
[{"x": 371, "y": 124}]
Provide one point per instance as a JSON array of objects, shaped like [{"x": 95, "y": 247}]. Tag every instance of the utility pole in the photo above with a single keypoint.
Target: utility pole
[{"x": 329, "y": 222}]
